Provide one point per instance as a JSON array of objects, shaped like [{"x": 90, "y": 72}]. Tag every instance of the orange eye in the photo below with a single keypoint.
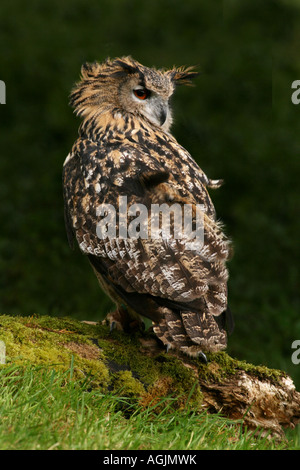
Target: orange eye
[{"x": 141, "y": 93}]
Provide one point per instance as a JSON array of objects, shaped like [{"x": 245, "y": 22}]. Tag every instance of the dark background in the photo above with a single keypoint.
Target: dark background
[{"x": 238, "y": 122}]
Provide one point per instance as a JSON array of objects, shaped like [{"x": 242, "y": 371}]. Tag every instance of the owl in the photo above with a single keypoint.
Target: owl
[{"x": 125, "y": 175}]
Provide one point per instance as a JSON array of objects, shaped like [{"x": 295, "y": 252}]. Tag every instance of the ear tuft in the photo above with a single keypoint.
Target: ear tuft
[
  {"x": 183, "y": 75},
  {"x": 90, "y": 70}
]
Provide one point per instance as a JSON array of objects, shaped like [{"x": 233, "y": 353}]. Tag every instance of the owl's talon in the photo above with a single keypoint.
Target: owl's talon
[
  {"x": 112, "y": 326},
  {"x": 168, "y": 347},
  {"x": 203, "y": 357}
]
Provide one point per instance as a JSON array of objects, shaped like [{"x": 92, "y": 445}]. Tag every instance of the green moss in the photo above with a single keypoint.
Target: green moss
[
  {"x": 53, "y": 342},
  {"x": 184, "y": 381},
  {"x": 220, "y": 366},
  {"x": 124, "y": 349},
  {"x": 126, "y": 385}
]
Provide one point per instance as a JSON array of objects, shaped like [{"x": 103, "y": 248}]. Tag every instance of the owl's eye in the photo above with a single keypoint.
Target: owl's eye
[{"x": 142, "y": 93}]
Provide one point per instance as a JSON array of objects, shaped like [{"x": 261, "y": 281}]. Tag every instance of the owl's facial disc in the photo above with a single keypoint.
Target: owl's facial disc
[{"x": 152, "y": 106}]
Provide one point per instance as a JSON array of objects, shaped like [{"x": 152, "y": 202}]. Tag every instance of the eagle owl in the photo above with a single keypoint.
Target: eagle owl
[{"x": 125, "y": 152}]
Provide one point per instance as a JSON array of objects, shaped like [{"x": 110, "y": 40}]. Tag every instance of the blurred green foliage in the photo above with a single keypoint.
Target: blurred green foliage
[{"x": 238, "y": 122}]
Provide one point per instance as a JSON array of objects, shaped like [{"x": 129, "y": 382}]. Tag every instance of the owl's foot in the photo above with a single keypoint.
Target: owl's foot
[{"x": 122, "y": 320}]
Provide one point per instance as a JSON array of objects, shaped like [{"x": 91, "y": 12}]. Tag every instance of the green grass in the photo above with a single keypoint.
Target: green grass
[{"x": 41, "y": 408}]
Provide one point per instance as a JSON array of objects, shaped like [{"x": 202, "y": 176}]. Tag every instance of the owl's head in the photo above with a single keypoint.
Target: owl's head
[{"x": 127, "y": 86}]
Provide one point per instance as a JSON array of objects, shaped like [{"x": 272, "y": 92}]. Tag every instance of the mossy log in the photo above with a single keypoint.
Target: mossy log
[{"x": 138, "y": 367}]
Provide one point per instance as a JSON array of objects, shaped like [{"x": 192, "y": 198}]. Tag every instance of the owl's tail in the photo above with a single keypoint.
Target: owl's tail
[{"x": 190, "y": 332}]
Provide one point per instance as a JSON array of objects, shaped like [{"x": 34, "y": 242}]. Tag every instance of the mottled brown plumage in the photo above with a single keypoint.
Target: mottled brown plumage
[{"x": 125, "y": 149}]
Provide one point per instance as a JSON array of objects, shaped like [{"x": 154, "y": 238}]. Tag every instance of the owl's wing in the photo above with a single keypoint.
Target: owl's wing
[{"x": 169, "y": 272}]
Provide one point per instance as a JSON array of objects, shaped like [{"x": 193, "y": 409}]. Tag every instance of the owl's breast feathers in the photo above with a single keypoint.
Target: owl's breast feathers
[{"x": 154, "y": 277}]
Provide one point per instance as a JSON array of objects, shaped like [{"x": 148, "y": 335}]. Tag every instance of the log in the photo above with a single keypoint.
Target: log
[{"x": 138, "y": 367}]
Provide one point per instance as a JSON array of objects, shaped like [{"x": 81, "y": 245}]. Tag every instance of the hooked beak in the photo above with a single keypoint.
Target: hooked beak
[
  {"x": 162, "y": 113},
  {"x": 158, "y": 111}
]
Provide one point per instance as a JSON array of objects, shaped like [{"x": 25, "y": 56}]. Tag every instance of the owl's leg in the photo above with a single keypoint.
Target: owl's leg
[
  {"x": 171, "y": 332},
  {"x": 203, "y": 329},
  {"x": 123, "y": 319}
]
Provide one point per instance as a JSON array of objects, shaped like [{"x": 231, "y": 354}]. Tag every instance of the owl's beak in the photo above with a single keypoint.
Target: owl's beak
[
  {"x": 162, "y": 114},
  {"x": 157, "y": 110}
]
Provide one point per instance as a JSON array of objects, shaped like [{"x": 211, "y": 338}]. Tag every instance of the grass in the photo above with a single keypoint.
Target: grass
[{"x": 41, "y": 408}]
